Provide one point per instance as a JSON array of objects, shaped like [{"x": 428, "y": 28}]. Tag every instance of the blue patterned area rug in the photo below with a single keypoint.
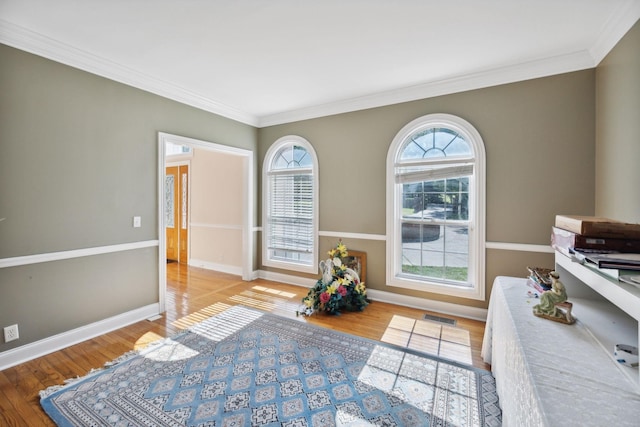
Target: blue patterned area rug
[{"x": 244, "y": 367}]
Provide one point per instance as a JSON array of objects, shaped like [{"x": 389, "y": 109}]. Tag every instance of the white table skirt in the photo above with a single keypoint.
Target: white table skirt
[{"x": 548, "y": 373}]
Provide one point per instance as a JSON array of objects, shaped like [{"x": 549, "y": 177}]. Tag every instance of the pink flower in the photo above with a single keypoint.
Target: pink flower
[
  {"x": 342, "y": 290},
  {"x": 324, "y": 297}
]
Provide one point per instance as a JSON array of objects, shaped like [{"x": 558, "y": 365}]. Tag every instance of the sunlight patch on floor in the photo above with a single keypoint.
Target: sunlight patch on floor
[
  {"x": 275, "y": 300},
  {"x": 248, "y": 298},
  {"x": 252, "y": 302},
  {"x": 167, "y": 351},
  {"x": 274, "y": 291},
  {"x": 145, "y": 340},
  {"x": 265, "y": 302},
  {"x": 200, "y": 315},
  {"x": 218, "y": 328},
  {"x": 429, "y": 337}
]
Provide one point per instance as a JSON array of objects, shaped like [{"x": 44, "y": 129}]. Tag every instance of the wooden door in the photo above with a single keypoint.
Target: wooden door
[
  {"x": 183, "y": 206},
  {"x": 177, "y": 213},
  {"x": 171, "y": 212}
]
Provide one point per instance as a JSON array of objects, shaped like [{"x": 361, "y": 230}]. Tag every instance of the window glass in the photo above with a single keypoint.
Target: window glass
[{"x": 435, "y": 142}]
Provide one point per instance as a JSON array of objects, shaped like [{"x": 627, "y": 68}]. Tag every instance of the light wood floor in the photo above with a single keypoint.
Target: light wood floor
[{"x": 192, "y": 295}]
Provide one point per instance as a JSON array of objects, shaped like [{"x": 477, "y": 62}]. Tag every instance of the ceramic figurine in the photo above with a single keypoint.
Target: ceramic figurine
[{"x": 553, "y": 303}]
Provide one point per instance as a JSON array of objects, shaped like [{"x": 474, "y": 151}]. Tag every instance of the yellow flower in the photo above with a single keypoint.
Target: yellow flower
[
  {"x": 308, "y": 302},
  {"x": 331, "y": 253},
  {"x": 342, "y": 249},
  {"x": 331, "y": 289}
]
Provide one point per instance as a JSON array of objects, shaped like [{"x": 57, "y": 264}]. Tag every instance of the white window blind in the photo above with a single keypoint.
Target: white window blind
[
  {"x": 290, "y": 209},
  {"x": 435, "y": 173},
  {"x": 291, "y": 214}
]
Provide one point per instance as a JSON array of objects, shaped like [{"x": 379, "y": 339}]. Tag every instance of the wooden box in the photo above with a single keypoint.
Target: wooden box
[{"x": 592, "y": 226}]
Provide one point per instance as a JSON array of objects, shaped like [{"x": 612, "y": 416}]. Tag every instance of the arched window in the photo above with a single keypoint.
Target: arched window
[
  {"x": 290, "y": 205},
  {"x": 436, "y": 208}
]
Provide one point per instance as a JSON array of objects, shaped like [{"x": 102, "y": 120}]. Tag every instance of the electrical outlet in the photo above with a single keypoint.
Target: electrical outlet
[{"x": 11, "y": 333}]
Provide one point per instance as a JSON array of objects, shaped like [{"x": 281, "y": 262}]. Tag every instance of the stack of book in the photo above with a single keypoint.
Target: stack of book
[
  {"x": 607, "y": 244},
  {"x": 539, "y": 279},
  {"x": 588, "y": 234}
]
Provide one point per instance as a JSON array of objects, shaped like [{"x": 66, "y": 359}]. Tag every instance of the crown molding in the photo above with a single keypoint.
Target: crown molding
[
  {"x": 621, "y": 20},
  {"x": 38, "y": 44},
  {"x": 509, "y": 74},
  {"x": 618, "y": 24}
]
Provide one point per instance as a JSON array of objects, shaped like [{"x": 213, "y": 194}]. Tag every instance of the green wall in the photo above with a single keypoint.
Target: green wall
[
  {"x": 78, "y": 159},
  {"x": 539, "y": 140}
]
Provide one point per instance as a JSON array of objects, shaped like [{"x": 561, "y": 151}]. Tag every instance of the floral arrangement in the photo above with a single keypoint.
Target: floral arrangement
[{"x": 338, "y": 288}]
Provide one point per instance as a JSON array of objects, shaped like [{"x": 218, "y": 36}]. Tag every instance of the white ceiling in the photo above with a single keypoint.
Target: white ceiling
[{"x": 266, "y": 62}]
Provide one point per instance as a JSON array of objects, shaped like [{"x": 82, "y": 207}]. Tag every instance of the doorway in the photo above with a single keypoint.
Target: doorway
[
  {"x": 247, "y": 200},
  {"x": 177, "y": 213}
]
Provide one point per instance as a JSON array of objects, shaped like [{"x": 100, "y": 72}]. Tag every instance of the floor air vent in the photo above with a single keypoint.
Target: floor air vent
[{"x": 444, "y": 320}]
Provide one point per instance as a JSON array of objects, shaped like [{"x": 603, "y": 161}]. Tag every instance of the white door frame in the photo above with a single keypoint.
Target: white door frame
[{"x": 247, "y": 204}]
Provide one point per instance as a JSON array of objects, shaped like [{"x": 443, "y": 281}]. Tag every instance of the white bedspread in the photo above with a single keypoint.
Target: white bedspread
[{"x": 548, "y": 373}]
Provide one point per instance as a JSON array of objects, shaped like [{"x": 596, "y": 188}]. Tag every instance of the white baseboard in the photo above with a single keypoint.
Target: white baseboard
[
  {"x": 390, "y": 297},
  {"x": 429, "y": 305},
  {"x": 223, "y": 268},
  {"x": 48, "y": 345},
  {"x": 286, "y": 278}
]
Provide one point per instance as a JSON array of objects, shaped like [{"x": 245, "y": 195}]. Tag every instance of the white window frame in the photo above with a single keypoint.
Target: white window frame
[
  {"x": 289, "y": 140},
  {"x": 477, "y": 226}
]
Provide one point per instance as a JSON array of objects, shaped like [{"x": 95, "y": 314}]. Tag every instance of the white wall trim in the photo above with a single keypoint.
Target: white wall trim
[
  {"x": 361, "y": 236},
  {"x": 57, "y": 342},
  {"x": 523, "y": 247},
  {"x": 75, "y": 253},
  {"x": 389, "y": 297},
  {"x": 223, "y": 268}
]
